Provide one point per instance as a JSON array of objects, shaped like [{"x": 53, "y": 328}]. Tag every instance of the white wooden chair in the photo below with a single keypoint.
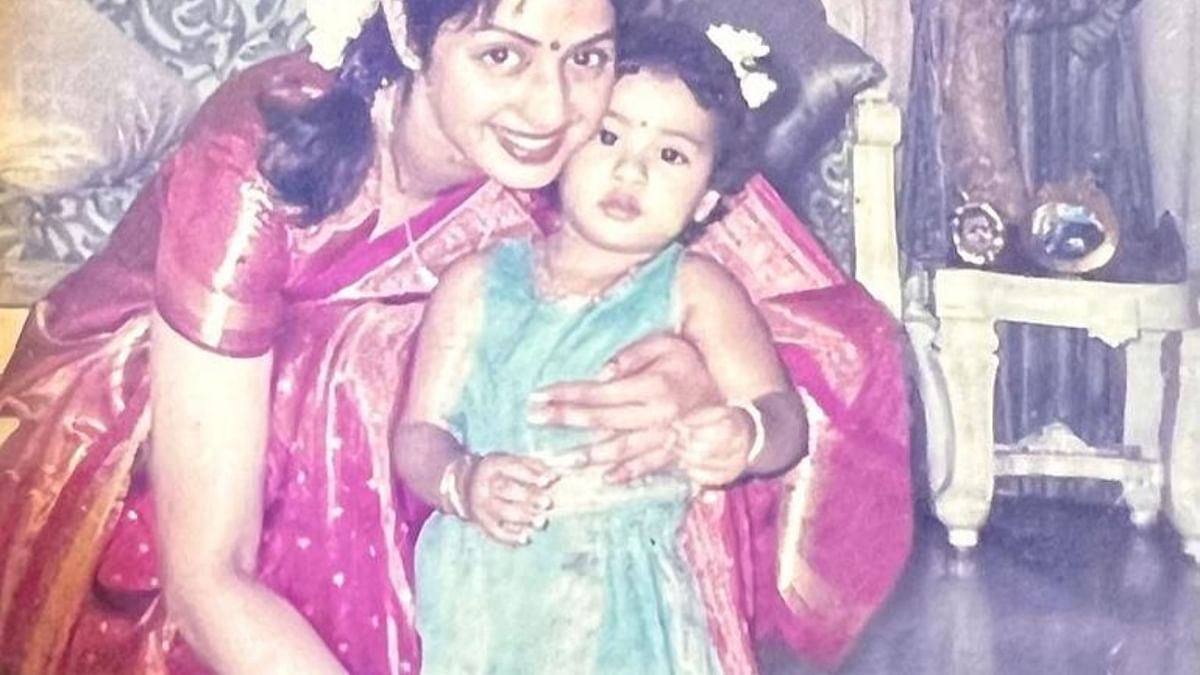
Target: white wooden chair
[{"x": 952, "y": 319}]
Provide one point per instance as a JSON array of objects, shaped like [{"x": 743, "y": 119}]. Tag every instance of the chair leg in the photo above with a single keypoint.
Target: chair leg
[
  {"x": 1183, "y": 462},
  {"x": 966, "y": 354},
  {"x": 1144, "y": 399}
]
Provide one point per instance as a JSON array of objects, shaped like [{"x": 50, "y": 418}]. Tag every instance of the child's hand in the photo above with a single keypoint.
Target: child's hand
[
  {"x": 715, "y": 445},
  {"x": 507, "y": 496}
]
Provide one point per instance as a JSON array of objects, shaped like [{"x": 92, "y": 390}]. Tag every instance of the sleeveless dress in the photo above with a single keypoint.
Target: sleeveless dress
[{"x": 604, "y": 588}]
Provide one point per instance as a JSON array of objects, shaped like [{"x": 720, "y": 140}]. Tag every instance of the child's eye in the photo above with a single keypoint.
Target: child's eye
[
  {"x": 673, "y": 156},
  {"x": 607, "y": 137},
  {"x": 591, "y": 58}
]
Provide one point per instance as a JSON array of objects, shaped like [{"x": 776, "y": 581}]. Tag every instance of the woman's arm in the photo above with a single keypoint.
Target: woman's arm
[{"x": 207, "y": 466}]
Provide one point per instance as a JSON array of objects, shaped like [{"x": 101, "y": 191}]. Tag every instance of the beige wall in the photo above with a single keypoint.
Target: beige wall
[
  {"x": 1169, "y": 37},
  {"x": 884, "y": 28}
]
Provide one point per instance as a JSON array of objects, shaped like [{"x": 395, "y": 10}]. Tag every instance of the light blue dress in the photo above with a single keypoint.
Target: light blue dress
[{"x": 603, "y": 589}]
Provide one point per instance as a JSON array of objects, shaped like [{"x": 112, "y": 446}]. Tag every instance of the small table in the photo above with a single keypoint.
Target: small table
[{"x": 966, "y": 461}]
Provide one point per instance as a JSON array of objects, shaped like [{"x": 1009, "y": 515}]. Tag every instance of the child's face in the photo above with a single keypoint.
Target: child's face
[{"x": 636, "y": 185}]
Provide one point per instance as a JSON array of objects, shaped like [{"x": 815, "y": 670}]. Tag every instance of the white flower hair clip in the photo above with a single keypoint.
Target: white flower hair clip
[
  {"x": 336, "y": 22},
  {"x": 744, "y": 48}
]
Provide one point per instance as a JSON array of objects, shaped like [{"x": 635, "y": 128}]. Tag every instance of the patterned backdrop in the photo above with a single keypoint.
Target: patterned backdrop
[{"x": 204, "y": 42}]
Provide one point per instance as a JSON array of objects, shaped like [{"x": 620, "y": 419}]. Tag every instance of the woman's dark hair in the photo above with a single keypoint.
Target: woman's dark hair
[{"x": 317, "y": 154}]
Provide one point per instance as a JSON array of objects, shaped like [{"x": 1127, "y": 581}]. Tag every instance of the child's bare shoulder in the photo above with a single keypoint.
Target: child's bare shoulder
[
  {"x": 700, "y": 274},
  {"x": 464, "y": 274}
]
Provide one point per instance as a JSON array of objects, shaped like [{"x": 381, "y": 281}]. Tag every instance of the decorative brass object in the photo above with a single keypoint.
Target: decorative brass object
[
  {"x": 1074, "y": 229},
  {"x": 978, "y": 234}
]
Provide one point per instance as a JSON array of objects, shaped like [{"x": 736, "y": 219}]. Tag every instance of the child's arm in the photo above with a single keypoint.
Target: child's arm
[
  {"x": 720, "y": 319},
  {"x": 501, "y": 493}
]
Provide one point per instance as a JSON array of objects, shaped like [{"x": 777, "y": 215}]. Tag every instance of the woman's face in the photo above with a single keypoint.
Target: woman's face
[{"x": 517, "y": 91}]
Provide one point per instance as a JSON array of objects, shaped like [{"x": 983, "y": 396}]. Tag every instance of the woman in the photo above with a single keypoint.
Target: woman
[{"x": 266, "y": 283}]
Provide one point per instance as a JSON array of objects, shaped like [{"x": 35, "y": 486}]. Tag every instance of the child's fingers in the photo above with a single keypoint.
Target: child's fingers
[
  {"x": 512, "y": 513},
  {"x": 528, "y": 470},
  {"x": 712, "y": 479},
  {"x": 717, "y": 464},
  {"x": 506, "y": 534},
  {"x": 522, "y": 532},
  {"x": 719, "y": 440},
  {"x": 703, "y": 452},
  {"x": 712, "y": 467},
  {"x": 513, "y": 491}
]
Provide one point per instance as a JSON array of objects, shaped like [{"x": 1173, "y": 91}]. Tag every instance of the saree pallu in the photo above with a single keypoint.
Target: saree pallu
[
  {"x": 809, "y": 558},
  {"x": 338, "y": 305}
]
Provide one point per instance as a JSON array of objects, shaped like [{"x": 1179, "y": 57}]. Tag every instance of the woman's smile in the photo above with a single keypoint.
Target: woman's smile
[{"x": 530, "y": 148}]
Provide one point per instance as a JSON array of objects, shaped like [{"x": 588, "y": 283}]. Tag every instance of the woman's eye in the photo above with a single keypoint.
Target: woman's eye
[
  {"x": 607, "y": 137},
  {"x": 591, "y": 58},
  {"x": 501, "y": 56},
  {"x": 673, "y": 156}
]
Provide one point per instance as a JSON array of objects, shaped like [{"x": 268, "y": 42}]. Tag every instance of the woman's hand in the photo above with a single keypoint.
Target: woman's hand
[
  {"x": 645, "y": 388},
  {"x": 649, "y": 384},
  {"x": 507, "y": 496}
]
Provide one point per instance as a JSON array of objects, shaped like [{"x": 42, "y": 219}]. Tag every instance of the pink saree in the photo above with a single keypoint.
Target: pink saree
[{"x": 338, "y": 304}]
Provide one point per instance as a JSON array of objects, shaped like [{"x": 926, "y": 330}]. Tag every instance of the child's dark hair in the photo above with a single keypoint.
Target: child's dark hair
[
  {"x": 317, "y": 154},
  {"x": 680, "y": 49}
]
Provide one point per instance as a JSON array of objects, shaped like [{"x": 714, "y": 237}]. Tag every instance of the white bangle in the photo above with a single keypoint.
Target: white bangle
[
  {"x": 760, "y": 434},
  {"x": 451, "y": 488}
]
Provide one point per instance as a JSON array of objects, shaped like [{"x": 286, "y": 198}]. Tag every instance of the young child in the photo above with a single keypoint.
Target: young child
[{"x": 536, "y": 564}]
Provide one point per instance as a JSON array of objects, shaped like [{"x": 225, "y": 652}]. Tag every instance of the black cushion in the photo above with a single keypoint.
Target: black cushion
[{"x": 819, "y": 72}]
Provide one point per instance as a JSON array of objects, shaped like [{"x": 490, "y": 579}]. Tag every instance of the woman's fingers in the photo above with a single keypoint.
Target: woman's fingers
[
  {"x": 645, "y": 409},
  {"x": 646, "y": 351},
  {"x": 650, "y": 383},
  {"x": 642, "y": 464},
  {"x": 621, "y": 446},
  {"x": 627, "y": 389},
  {"x": 633, "y": 402},
  {"x": 582, "y": 393},
  {"x": 628, "y": 454},
  {"x": 618, "y": 418}
]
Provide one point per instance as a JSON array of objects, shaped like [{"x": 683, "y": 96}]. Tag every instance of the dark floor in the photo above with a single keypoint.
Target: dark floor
[{"x": 1053, "y": 589}]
